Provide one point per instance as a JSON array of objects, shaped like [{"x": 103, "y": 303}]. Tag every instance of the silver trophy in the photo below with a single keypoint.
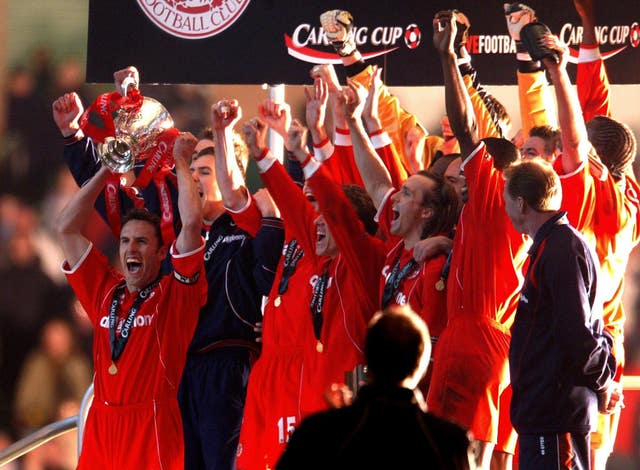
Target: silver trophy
[{"x": 136, "y": 132}]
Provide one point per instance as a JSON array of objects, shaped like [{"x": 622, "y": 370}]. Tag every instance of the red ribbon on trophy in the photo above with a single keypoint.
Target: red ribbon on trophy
[{"x": 127, "y": 130}]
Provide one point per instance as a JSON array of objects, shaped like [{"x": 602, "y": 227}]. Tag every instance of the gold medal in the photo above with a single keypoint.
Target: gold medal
[
  {"x": 319, "y": 347},
  {"x": 277, "y": 302},
  {"x": 440, "y": 285},
  {"x": 113, "y": 370}
]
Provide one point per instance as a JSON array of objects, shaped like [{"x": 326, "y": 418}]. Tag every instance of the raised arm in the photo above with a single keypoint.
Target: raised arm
[
  {"x": 189, "y": 203},
  {"x": 588, "y": 17},
  {"x": 80, "y": 154},
  {"x": 316, "y": 108},
  {"x": 592, "y": 81},
  {"x": 67, "y": 110},
  {"x": 375, "y": 176},
  {"x": 537, "y": 105},
  {"x": 328, "y": 74},
  {"x": 224, "y": 116},
  {"x": 297, "y": 211},
  {"x": 575, "y": 143},
  {"x": 276, "y": 115},
  {"x": 73, "y": 218},
  {"x": 457, "y": 100}
]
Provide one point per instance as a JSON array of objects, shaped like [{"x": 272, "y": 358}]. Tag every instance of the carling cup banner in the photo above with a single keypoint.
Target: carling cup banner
[{"x": 278, "y": 41}]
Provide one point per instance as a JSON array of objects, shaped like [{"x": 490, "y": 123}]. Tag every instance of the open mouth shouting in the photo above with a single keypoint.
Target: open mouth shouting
[
  {"x": 321, "y": 236},
  {"x": 395, "y": 219},
  {"x": 133, "y": 265}
]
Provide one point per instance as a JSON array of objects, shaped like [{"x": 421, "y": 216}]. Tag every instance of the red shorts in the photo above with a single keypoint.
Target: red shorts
[
  {"x": 470, "y": 373},
  {"x": 272, "y": 408},
  {"x": 507, "y": 435},
  {"x": 147, "y": 435}
]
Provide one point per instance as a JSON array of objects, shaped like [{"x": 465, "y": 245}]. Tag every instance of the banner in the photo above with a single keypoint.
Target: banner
[{"x": 278, "y": 41}]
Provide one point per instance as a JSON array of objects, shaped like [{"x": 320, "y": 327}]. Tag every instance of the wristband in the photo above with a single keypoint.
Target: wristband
[
  {"x": 263, "y": 154},
  {"x": 304, "y": 162}
]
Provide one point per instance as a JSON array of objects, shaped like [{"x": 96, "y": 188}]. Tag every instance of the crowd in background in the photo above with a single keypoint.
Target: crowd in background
[{"x": 45, "y": 340}]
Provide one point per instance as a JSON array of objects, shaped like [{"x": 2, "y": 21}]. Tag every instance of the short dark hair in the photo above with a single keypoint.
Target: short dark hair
[
  {"x": 536, "y": 182},
  {"x": 396, "y": 344},
  {"x": 550, "y": 135},
  {"x": 239, "y": 147},
  {"x": 614, "y": 142},
  {"x": 441, "y": 162},
  {"x": 362, "y": 203},
  {"x": 442, "y": 198},
  {"x": 503, "y": 151},
  {"x": 146, "y": 216}
]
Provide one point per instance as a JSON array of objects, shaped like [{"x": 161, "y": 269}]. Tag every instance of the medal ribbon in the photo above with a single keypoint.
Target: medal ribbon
[
  {"x": 447, "y": 267},
  {"x": 395, "y": 278},
  {"x": 291, "y": 257},
  {"x": 118, "y": 343},
  {"x": 112, "y": 201},
  {"x": 317, "y": 301},
  {"x": 160, "y": 179}
]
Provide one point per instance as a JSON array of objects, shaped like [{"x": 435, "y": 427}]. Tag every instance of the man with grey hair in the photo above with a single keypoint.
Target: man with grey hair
[{"x": 559, "y": 359}]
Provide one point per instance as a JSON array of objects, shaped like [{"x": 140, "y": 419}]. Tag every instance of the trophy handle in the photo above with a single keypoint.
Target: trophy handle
[
  {"x": 116, "y": 154},
  {"x": 129, "y": 82}
]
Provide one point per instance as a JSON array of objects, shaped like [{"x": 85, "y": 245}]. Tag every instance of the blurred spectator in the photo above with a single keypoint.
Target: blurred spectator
[
  {"x": 70, "y": 77},
  {"x": 63, "y": 188},
  {"x": 27, "y": 296},
  {"x": 17, "y": 218},
  {"x": 53, "y": 373},
  {"x": 30, "y": 140},
  {"x": 82, "y": 325},
  {"x": 43, "y": 73},
  {"x": 60, "y": 453},
  {"x": 5, "y": 441}
]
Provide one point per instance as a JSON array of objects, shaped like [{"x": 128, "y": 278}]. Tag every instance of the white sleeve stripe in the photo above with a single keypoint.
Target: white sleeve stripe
[
  {"x": 173, "y": 253},
  {"x": 471, "y": 155},
  {"x": 245, "y": 207},
  {"x": 310, "y": 168},
  {"x": 74, "y": 268},
  {"x": 266, "y": 162},
  {"x": 588, "y": 54},
  {"x": 381, "y": 140},
  {"x": 385, "y": 199},
  {"x": 323, "y": 153},
  {"x": 342, "y": 139}
]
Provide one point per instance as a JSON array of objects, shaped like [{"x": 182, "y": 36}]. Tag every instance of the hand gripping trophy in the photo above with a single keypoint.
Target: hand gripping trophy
[{"x": 129, "y": 128}]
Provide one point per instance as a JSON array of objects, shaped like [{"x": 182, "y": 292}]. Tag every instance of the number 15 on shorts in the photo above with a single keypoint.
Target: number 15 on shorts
[{"x": 286, "y": 426}]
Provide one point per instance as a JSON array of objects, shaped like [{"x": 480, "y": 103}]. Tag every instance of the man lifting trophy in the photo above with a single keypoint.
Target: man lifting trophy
[{"x": 133, "y": 136}]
